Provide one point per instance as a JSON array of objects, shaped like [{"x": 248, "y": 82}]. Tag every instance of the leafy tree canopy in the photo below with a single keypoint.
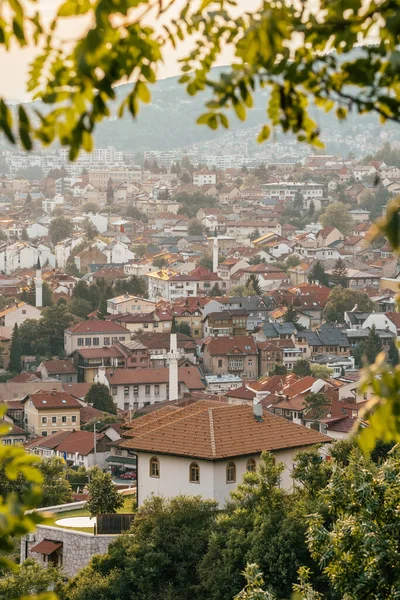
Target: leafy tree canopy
[
  {"x": 337, "y": 215},
  {"x": 103, "y": 495},
  {"x": 99, "y": 397},
  {"x": 342, "y": 300}
]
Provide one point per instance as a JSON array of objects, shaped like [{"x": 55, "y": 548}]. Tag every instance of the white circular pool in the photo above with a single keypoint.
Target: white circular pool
[{"x": 77, "y": 522}]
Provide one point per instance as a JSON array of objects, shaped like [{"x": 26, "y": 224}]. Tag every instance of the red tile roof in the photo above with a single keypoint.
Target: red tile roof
[
  {"x": 78, "y": 390},
  {"x": 56, "y": 367},
  {"x": 97, "y": 326},
  {"x": 190, "y": 376},
  {"x": 211, "y": 431},
  {"x": 43, "y": 400},
  {"x": 243, "y": 344}
]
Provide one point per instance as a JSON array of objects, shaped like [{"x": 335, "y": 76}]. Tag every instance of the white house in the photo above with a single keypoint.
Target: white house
[
  {"x": 16, "y": 315},
  {"x": 136, "y": 388},
  {"x": 118, "y": 253},
  {"x": 20, "y": 255},
  {"x": 204, "y": 177},
  {"x": 128, "y": 304},
  {"x": 206, "y": 447},
  {"x": 170, "y": 285},
  {"x": 49, "y": 205},
  {"x": 36, "y": 230},
  {"x": 64, "y": 248}
]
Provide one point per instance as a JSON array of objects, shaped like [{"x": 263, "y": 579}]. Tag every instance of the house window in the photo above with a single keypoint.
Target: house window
[
  {"x": 230, "y": 472},
  {"x": 156, "y": 390},
  {"x": 147, "y": 390},
  {"x": 44, "y": 433},
  {"x": 54, "y": 419},
  {"x": 96, "y": 341},
  {"x": 126, "y": 405},
  {"x": 73, "y": 418},
  {"x": 80, "y": 341},
  {"x": 126, "y": 391},
  {"x": 106, "y": 341},
  {"x": 63, "y": 419},
  {"x": 88, "y": 341},
  {"x": 250, "y": 362},
  {"x": 194, "y": 473},
  {"x": 220, "y": 362},
  {"x": 251, "y": 465},
  {"x": 135, "y": 390},
  {"x": 44, "y": 420},
  {"x": 154, "y": 467},
  {"x": 114, "y": 390}
]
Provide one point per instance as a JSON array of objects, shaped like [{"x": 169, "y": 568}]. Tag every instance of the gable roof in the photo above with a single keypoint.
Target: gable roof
[
  {"x": 190, "y": 376},
  {"x": 44, "y": 400},
  {"x": 211, "y": 431},
  {"x": 244, "y": 344},
  {"x": 97, "y": 326},
  {"x": 56, "y": 367}
]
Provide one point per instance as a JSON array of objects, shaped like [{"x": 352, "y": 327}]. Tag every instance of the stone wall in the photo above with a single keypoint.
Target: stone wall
[{"x": 78, "y": 547}]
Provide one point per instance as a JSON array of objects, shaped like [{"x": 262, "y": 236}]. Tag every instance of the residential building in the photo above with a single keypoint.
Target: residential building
[
  {"x": 77, "y": 448},
  {"x": 16, "y": 314},
  {"x": 157, "y": 321},
  {"x": 88, "y": 257},
  {"x": 219, "y": 384},
  {"x": 205, "y": 448},
  {"x": 128, "y": 355},
  {"x": 48, "y": 412},
  {"x": 128, "y": 304},
  {"x": 169, "y": 285},
  {"x": 231, "y": 354},
  {"x": 204, "y": 177},
  {"x": 136, "y": 388},
  {"x": 327, "y": 339},
  {"x": 63, "y": 370},
  {"x": 94, "y": 333},
  {"x": 226, "y": 322},
  {"x": 14, "y": 435}
]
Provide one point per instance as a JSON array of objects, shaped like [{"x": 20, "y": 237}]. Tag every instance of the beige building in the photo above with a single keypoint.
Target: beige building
[
  {"x": 17, "y": 314},
  {"x": 127, "y": 304},
  {"x": 96, "y": 333},
  {"x": 48, "y": 412}
]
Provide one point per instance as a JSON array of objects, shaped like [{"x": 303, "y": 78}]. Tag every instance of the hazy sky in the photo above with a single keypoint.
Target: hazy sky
[{"x": 14, "y": 64}]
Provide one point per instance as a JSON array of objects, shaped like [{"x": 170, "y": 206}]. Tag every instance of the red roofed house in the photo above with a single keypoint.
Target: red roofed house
[
  {"x": 206, "y": 447},
  {"x": 135, "y": 388},
  {"x": 327, "y": 236},
  {"x": 94, "y": 333},
  {"x": 63, "y": 370},
  {"x": 48, "y": 412},
  {"x": 75, "y": 447},
  {"x": 231, "y": 354}
]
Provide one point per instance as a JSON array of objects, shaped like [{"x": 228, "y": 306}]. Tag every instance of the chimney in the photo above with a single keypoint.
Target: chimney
[{"x": 257, "y": 410}]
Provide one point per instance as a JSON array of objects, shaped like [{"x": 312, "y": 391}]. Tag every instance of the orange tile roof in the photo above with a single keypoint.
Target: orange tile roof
[{"x": 210, "y": 431}]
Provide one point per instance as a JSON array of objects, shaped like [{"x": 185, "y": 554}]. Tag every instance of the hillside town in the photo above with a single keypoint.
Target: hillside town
[{"x": 168, "y": 322}]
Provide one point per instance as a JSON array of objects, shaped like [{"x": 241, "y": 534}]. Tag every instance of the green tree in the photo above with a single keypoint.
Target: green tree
[
  {"x": 302, "y": 367},
  {"x": 195, "y": 228},
  {"x": 318, "y": 274},
  {"x": 393, "y": 354},
  {"x": 216, "y": 291},
  {"x": 339, "y": 273},
  {"x": 47, "y": 294},
  {"x": 99, "y": 397},
  {"x": 108, "y": 419},
  {"x": 137, "y": 286},
  {"x": 31, "y": 579},
  {"x": 372, "y": 345},
  {"x": 160, "y": 262},
  {"x": 206, "y": 261},
  {"x": 15, "y": 351},
  {"x": 255, "y": 235},
  {"x": 191, "y": 203},
  {"x": 291, "y": 316},
  {"x": 60, "y": 228},
  {"x": 360, "y": 537},
  {"x": 182, "y": 328},
  {"x": 337, "y": 215},
  {"x": 292, "y": 261},
  {"x": 253, "y": 282},
  {"x": 315, "y": 405},
  {"x": 56, "y": 487},
  {"x": 321, "y": 371},
  {"x": 71, "y": 268},
  {"x": 55, "y": 320},
  {"x": 103, "y": 494},
  {"x": 24, "y": 235},
  {"x": 90, "y": 207},
  {"x": 278, "y": 370},
  {"x": 79, "y": 307},
  {"x": 102, "y": 310},
  {"x": 157, "y": 560},
  {"x": 90, "y": 229},
  {"x": 342, "y": 300}
]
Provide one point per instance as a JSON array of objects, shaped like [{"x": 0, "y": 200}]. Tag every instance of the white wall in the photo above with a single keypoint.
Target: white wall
[{"x": 174, "y": 475}]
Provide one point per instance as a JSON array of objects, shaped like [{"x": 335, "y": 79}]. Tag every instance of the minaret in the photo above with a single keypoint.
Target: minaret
[
  {"x": 39, "y": 285},
  {"x": 215, "y": 255},
  {"x": 173, "y": 357}
]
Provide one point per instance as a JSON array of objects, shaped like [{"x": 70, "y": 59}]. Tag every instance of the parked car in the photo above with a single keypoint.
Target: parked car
[{"x": 128, "y": 475}]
